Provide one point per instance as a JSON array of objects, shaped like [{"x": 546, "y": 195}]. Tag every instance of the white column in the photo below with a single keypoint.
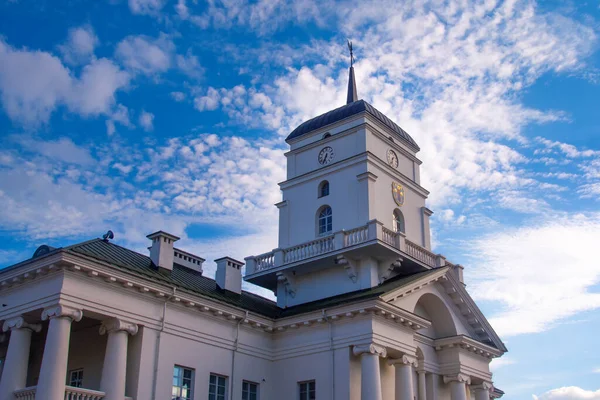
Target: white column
[
  {"x": 458, "y": 386},
  {"x": 433, "y": 383},
  {"x": 51, "y": 385},
  {"x": 370, "y": 378},
  {"x": 14, "y": 376},
  {"x": 404, "y": 377},
  {"x": 115, "y": 358},
  {"x": 482, "y": 391},
  {"x": 422, "y": 385}
]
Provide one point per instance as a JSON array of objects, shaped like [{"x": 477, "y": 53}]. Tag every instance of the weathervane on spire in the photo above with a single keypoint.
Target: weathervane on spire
[{"x": 351, "y": 53}]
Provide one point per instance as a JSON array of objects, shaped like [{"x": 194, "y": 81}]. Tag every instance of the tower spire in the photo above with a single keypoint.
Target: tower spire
[{"x": 352, "y": 96}]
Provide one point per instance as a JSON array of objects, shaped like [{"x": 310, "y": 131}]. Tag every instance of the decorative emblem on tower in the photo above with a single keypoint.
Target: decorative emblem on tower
[{"x": 398, "y": 193}]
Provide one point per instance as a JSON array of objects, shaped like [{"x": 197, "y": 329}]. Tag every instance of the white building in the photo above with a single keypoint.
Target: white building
[{"x": 364, "y": 311}]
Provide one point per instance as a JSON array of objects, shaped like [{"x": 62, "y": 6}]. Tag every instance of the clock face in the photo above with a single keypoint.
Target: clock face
[
  {"x": 326, "y": 155},
  {"x": 392, "y": 158}
]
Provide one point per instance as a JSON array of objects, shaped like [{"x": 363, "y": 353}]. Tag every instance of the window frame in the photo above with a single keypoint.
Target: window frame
[
  {"x": 322, "y": 186},
  {"x": 398, "y": 216},
  {"x": 78, "y": 381},
  {"x": 180, "y": 384},
  {"x": 250, "y": 383},
  {"x": 216, "y": 385},
  {"x": 328, "y": 221},
  {"x": 307, "y": 391}
]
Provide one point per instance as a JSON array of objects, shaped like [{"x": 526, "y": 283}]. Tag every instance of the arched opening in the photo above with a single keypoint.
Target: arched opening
[
  {"x": 434, "y": 309},
  {"x": 324, "y": 221},
  {"x": 324, "y": 189},
  {"x": 398, "y": 222},
  {"x": 326, "y": 135},
  {"x": 391, "y": 139}
]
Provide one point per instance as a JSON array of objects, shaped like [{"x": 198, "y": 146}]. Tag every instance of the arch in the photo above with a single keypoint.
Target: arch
[
  {"x": 324, "y": 189},
  {"x": 391, "y": 139},
  {"x": 326, "y": 135},
  {"x": 398, "y": 221},
  {"x": 431, "y": 307},
  {"x": 324, "y": 221}
]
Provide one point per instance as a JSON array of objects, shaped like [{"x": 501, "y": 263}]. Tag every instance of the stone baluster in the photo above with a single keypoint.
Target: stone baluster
[
  {"x": 51, "y": 384},
  {"x": 422, "y": 381},
  {"x": 370, "y": 377},
  {"x": 115, "y": 358},
  {"x": 14, "y": 375},
  {"x": 458, "y": 386},
  {"x": 482, "y": 391},
  {"x": 404, "y": 376}
]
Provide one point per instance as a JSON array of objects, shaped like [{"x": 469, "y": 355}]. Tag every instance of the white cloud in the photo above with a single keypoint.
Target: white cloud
[
  {"x": 208, "y": 102},
  {"x": 146, "y": 55},
  {"x": 189, "y": 65},
  {"x": 498, "y": 363},
  {"x": 35, "y": 83},
  {"x": 178, "y": 96},
  {"x": 146, "y": 7},
  {"x": 80, "y": 45},
  {"x": 146, "y": 121},
  {"x": 539, "y": 273},
  {"x": 569, "y": 393}
]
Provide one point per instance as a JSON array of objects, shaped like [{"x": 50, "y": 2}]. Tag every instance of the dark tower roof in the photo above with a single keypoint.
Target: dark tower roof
[
  {"x": 353, "y": 106},
  {"x": 347, "y": 111}
]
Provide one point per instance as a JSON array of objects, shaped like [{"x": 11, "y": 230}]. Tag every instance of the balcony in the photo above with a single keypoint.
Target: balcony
[
  {"x": 262, "y": 268},
  {"x": 71, "y": 393}
]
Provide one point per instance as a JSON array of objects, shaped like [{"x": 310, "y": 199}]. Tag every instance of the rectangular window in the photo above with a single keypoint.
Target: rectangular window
[
  {"x": 183, "y": 382},
  {"x": 217, "y": 388},
  {"x": 249, "y": 391},
  {"x": 307, "y": 390},
  {"x": 76, "y": 378}
]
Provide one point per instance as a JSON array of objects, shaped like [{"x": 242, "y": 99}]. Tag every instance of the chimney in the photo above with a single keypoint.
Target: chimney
[
  {"x": 161, "y": 251},
  {"x": 229, "y": 274}
]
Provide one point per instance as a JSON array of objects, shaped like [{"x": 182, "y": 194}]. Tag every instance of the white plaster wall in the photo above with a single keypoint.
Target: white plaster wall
[
  {"x": 378, "y": 143},
  {"x": 303, "y": 203},
  {"x": 86, "y": 350},
  {"x": 409, "y": 303}
]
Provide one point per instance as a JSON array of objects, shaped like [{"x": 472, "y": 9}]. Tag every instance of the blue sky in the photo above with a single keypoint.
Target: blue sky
[{"x": 150, "y": 114}]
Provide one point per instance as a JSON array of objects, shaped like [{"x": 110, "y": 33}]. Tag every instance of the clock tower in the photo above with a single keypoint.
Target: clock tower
[{"x": 353, "y": 211}]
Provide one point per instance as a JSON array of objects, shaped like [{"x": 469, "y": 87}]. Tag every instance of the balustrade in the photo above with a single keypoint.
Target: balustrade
[
  {"x": 310, "y": 249},
  {"x": 419, "y": 253},
  {"x": 356, "y": 236},
  {"x": 349, "y": 238},
  {"x": 265, "y": 261},
  {"x": 71, "y": 393}
]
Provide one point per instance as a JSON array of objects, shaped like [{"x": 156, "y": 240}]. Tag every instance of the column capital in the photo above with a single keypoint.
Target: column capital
[
  {"x": 20, "y": 323},
  {"x": 460, "y": 378},
  {"x": 370, "y": 348},
  {"x": 406, "y": 359},
  {"x": 116, "y": 324},
  {"x": 62, "y": 311},
  {"x": 485, "y": 386}
]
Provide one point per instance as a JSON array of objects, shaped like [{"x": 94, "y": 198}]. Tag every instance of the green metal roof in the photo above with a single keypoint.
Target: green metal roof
[{"x": 193, "y": 281}]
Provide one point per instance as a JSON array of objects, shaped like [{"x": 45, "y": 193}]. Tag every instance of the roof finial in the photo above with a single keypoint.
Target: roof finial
[{"x": 352, "y": 96}]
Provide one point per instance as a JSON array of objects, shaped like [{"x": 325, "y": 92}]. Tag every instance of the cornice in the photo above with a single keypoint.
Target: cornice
[
  {"x": 467, "y": 344},
  {"x": 413, "y": 287}
]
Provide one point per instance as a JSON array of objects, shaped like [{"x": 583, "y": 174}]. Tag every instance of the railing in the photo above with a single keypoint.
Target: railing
[
  {"x": 265, "y": 261},
  {"x": 71, "y": 393},
  {"x": 26, "y": 394},
  {"x": 356, "y": 236},
  {"x": 421, "y": 254},
  {"x": 310, "y": 249},
  {"x": 390, "y": 237},
  {"x": 374, "y": 230}
]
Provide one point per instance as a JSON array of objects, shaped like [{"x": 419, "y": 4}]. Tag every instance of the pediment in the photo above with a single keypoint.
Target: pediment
[{"x": 449, "y": 304}]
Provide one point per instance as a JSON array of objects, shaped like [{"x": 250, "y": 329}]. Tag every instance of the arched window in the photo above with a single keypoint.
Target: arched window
[
  {"x": 325, "y": 136},
  {"x": 325, "y": 221},
  {"x": 323, "y": 189},
  {"x": 399, "y": 221}
]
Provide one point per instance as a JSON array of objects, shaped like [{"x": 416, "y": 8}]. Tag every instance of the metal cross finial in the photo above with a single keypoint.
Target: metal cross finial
[{"x": 351, "y": 53}]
